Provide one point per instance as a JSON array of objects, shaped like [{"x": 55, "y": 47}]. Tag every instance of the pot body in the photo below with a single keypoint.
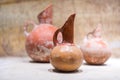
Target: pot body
[
  {"x": 66, "y": 57},
  {"x": 39, "y": 42},
  {"x": 95, "y": 51}
]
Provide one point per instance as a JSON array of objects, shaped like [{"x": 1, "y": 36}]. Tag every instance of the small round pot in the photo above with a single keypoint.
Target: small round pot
[{"x": 95, "y": 50}]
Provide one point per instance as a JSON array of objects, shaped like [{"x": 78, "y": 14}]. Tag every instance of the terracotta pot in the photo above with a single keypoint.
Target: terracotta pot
[
  {"x": 39, "y": 41},
  {"x": 65, "y": 56},
  {"x": 95, "y": 49}
]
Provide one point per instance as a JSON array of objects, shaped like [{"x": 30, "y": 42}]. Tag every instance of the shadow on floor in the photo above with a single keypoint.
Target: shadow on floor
[
  {"x": 63, "y": 72},
  {"x": 39, "y": 62},
  {"x": 94, "y": 64}
]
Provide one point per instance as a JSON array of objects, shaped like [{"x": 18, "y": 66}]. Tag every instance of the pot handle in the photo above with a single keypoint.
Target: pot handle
[
  {"x": 96, "y": 33},
  {"x": 90, "y": 35},
  {"x": 55, "y": 40},
  {"x": 26, "y": 27}
]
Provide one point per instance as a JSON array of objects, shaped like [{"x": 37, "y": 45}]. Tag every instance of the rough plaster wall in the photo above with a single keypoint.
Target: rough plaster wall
[{"x": 89, "y": 13}]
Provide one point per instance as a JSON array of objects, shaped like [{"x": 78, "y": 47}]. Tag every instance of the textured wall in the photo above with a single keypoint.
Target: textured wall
[{"x": 89, "y": 13}]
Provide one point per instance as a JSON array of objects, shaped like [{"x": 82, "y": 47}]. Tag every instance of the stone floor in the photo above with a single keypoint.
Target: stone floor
[{"x": 16, "y": 68}]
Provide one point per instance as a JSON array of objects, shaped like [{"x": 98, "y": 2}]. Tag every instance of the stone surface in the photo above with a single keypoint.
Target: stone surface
[{"x": 16, "y": 68}]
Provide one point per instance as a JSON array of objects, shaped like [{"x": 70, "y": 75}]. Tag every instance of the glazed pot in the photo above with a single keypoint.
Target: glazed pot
[{"x": 66, "y": 56}]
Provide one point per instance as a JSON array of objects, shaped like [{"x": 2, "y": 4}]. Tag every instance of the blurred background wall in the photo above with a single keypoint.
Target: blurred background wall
[{"x": 89, "y": 13}]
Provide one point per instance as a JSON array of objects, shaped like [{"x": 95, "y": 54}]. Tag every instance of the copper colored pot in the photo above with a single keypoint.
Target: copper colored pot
[{"x": 65, "y": 56}]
